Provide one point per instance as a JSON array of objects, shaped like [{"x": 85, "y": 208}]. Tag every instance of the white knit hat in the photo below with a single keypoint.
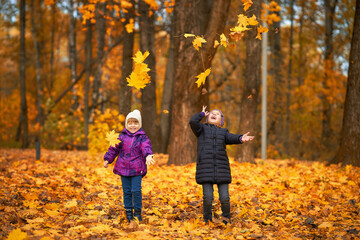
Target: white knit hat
[{"x": 134, "y": 114}]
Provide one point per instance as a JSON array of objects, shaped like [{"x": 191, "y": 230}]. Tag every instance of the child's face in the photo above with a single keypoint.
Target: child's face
[
  {"x": 133, "y": 125},
  {"x": 214, "y": 118}
]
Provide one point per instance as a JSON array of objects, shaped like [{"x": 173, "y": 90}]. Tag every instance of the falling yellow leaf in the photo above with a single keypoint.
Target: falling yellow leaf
[
  {"x": 197, "y": 42},
  {"x": 202, "y": 77},
  {"x": 242, "y": 20},
  {"x": 136, "y": 81},
  {"x": 139, "y": 57},
  {"x": 223, "y": 40},
  {"x": 189, "y": 35},
  {"x": 216, "y": 43},
  {"x": 247, "y": 4},
  {"x": 139, "y": 76},
  {"x": 112, "y": 137},
  {"x": 261, "y": 30},
  {"x": 239, "y": 29}
]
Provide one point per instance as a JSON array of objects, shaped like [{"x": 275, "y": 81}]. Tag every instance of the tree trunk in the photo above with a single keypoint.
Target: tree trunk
[
  {"x": 51, "y": 78},
  {"x": 126, "y": 69},
  {"x": 100, "y": 26},
  {"x": 188, "y": 64},
  {"x": 72, "y": 53},
  {"x": 23, "y": 119},
  {"x": 148, "y": 96},
  {"x": 301, "y": 57},
  {"x": 167, "y": 99},
  {"x": 289, "y": 77},
  {"x": 39, "y": 87},
  {"x": 349, "y": 151},
  {"x": 249, "y": 99},
  {"x": 330, "y": 7},
  {"x": 88, "y": 59},
  {"x": 275, "y": 70}
]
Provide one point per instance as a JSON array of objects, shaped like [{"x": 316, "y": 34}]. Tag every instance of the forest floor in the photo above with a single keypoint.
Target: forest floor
[{"x": 70, "y": 195}]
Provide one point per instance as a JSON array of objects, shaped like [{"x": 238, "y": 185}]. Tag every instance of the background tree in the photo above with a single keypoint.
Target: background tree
[
  {"x": 100, "y": 26},
  {"x": 148, "y": 96},
  {"x": 88, "y": 60},
  {"x": 188, "y": 63},
  {"x": 23, "y": 119},
  {"x": 349, "y": 150},
  {"x": 72, "y": 51},
  {"x": 330, "y": 8},
  {"x": 127, "y": 64},
  {"x": 249, "y": 99}
]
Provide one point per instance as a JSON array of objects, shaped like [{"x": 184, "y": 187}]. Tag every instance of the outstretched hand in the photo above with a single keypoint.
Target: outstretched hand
[
  {"x": 106, "y": 164},
  {"x": 246, "y": 138},
  {"x": 150, "y": 160},
  {"x": 204, "y": 111}
]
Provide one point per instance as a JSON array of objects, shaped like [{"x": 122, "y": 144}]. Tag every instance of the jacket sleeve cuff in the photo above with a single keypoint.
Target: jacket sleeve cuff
[
  {"x": 203, "y": 114},
  {"x": 240, "y": 139}
]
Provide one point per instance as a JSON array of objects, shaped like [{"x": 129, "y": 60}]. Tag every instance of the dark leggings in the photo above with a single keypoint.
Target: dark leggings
[{"x": 208, "y": 197}]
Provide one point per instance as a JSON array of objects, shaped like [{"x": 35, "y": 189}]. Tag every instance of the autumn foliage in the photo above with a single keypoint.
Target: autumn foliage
[{"x": 69, "y": 195}]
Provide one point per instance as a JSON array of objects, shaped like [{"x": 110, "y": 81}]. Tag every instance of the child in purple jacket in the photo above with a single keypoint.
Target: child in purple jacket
[{"x": 134, "y": 152}]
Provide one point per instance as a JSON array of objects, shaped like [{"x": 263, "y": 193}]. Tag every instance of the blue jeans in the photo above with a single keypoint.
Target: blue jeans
[
  {"x": 132, "y": 192},
  {"x": 208, "y": 197}
]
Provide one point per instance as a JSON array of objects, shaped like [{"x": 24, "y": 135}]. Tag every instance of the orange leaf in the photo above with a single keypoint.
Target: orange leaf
[
  {"x": 247, "y": 4},
  {"x": 202, "y": 77},
  {"x": 261, "y": 30}
]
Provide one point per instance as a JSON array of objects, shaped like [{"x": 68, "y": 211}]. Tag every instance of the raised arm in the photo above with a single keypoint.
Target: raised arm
[{"x": 195, "y": 124}]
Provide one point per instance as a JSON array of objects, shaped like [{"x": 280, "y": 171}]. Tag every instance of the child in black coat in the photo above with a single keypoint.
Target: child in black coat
[{"x": 212, "y": 165}]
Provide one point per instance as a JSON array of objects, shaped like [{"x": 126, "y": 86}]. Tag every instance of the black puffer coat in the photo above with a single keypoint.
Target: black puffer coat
[{"x": 212, "y": 165}]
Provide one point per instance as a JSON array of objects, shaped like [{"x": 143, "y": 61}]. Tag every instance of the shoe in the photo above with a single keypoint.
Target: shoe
[
  {"x": 129, "y": 214},
  {"x": 137, "y": 214}
]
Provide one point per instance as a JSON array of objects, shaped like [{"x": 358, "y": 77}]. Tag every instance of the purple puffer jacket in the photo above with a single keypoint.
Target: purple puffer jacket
[{"x": 132, "y": 150}]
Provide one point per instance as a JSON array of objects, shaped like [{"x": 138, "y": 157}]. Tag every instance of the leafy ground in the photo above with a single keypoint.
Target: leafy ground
[{"x": 69, "y": 195}]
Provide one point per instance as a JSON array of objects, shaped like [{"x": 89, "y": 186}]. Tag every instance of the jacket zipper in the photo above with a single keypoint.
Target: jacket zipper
[
  {"x": 214, "y": 156},
  {"x": 132, "y": 140}
]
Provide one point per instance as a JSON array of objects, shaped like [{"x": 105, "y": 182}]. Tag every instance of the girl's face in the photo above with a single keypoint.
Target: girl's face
[
  {"x": 133, "y": 125},
  {"x": 214, "y": 118}
]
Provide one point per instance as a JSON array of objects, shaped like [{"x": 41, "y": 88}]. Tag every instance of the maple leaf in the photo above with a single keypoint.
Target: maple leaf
[
  {"x": 130, "y": 26},
  {"x": 239, "y": 29},
  {"x": 202, "y": 77},
  {"x": 216, "y": 43},
  {"x": 274, "y": 7},
  {"x": 247, "y": 4},
  {"x": 139, "y": 76},
  {"x": 139, "y": 57},
  {"x": 223, "y": 40},
  {"x": 197, "y": 42},
  {"x": 252, "y": 21},
  {"x": 189, "y": 35},
  {"x": 261, "y": 30},
  {"x": 242, "y": 20},
  {"x": 236, "y": 35},
  {"x": 112, "y": 137}
]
